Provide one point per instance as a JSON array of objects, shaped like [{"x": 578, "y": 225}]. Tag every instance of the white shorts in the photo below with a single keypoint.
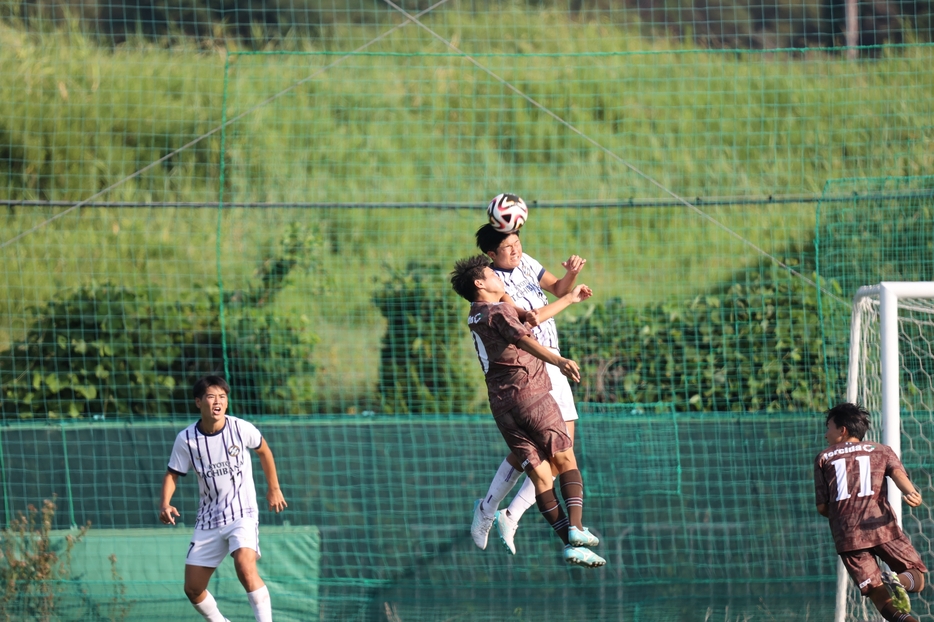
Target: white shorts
[
  {"x": 561, "y": 391},
  {"x": 209, "y": 547}
]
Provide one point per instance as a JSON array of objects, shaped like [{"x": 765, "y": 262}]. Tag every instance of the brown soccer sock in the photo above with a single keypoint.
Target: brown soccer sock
[
  {"x": 551, "y": 509},
  {"x": 888, "y": 612},
  {"x": 572, "y": 489},
  {"x": 912, "y": 580},
  {"x": 879, "y": 596}
]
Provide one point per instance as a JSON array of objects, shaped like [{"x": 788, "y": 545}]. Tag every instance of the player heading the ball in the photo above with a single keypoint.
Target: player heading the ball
[
  {"x": 216, "y": 447},
  {"x": 525, "y": 412},
  {"x": 850, "y": 487}
]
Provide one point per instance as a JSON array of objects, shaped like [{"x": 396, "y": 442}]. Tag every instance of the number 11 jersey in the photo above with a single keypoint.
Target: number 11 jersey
[{"x": 850, "y": 479}]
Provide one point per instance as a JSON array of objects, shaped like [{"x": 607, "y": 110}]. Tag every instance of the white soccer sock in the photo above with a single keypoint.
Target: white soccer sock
[
  {"x": 208, "y": 609},
  {"x": 262, "y": 607},
  {"x": 505, "y": 478},
  {"x": 523, "y": 500}
]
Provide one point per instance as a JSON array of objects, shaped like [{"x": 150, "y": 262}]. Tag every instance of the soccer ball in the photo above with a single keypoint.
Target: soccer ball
[{"x": 507, "y": 213}]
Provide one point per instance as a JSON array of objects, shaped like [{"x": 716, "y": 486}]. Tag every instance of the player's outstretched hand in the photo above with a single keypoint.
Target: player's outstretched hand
[
  {"x": 574, "y": 264},
  {"x": 167, "y": 515},
  {"x": 581, "y": 292},
  {"x": 570, "y": 369},
  {"x": 531, "y": 318},
  {"x": 913, "y": 498},
  {"x": 276, "y": 500}
]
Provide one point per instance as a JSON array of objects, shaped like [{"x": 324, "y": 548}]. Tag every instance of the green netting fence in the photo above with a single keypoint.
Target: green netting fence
[{"x": 703, "y": 512}]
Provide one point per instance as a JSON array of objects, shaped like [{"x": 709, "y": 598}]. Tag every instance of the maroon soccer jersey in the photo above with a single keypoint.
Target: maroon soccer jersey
[
  {"x": 850, "y": 479},
  {"x": 513, "y": 376}
]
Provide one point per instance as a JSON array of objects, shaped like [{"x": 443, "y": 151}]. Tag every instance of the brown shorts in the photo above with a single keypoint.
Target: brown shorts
[
  {"x": 534, "y": 430},
  {"x": 865, "y": 572}
]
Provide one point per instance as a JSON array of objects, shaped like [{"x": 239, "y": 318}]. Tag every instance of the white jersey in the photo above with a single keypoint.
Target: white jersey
[
  {"x": 523, "y": 284},
  {"x": 224, "y": 468}
]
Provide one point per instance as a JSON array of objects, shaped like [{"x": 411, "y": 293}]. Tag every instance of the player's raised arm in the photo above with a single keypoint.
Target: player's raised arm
[
  {"x": 274, "y": 496},
  {"x": 167, "y": 513},
  {"x": 910, "y": 494},
  {"x": 564, "y": 285},
  {"x": 568, "y": 367}
]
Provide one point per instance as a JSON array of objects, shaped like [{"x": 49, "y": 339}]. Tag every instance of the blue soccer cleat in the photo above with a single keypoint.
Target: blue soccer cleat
[
  {"x": 506, "y": 528},
  {"x": 582, "y": 537},
  {"x": 579, "y": 556}
]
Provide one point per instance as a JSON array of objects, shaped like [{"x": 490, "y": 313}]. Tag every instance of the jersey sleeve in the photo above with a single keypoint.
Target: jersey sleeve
[
  {"x": 537, "y": 269},
  {"x": 821, "y": 490},
  {"x": 892, "y": 463},
  {"x": 180, "y": 460},
  {"x": 505, "y": 320},
  {"x": 250, "y": 434}
]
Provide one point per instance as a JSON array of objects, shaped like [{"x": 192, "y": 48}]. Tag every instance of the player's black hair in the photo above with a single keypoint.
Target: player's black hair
[
  {"x": 489, "y": 239},
  {"x": 466, "y": 271},
  {"x": 853, "y": 417},
  {"x": 203, "y": 383}
]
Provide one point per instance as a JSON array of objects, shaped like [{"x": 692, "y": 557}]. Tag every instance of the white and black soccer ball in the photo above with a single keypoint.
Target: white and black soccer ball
[{"x": 507, "y": 213}]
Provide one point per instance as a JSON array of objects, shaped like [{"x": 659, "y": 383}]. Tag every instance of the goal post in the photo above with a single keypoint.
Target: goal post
[{"x": 891, "y": 328}]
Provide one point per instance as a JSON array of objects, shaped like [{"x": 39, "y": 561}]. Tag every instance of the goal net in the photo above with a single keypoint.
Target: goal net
[{"x": 891, "y": 372}]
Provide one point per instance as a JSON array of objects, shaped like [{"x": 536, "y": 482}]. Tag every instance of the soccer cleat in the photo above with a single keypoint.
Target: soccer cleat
[
  {"x": 582, "y": 537},
  {"x": 900, "y": 599},
  {"x": 506, "y": 528},
  {"x": 481, "y": 525},
  {"x": 579, "y": 556}
]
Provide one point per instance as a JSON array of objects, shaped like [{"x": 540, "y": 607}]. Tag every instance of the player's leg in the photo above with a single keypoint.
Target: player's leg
[
  {"x": 572, "y": 489},
  {"x": 205, "y": 553},
  {"x": 196, "y": 589},
  {"x": 862, "y": 567},
  {"x": 548, "y": 504},
  {"x": 244, "y": 548},
  {"x": 484, "y": 512},
  {"x": 525, "y": 498},
  {"x": 907, "y": 573}
]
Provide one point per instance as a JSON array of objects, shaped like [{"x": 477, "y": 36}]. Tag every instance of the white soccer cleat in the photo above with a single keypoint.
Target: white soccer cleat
[
  {"x": 481, "y": 525},
  {"x": 506, "y": 528}
]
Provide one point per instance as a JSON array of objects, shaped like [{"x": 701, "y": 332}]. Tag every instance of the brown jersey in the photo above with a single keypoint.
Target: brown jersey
[
  {"x": 513, "y": 376},
  {"x": 850, "y": 479}
]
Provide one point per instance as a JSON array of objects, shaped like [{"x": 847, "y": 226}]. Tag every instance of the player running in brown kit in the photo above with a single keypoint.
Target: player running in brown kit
[
  {"x": 525, "y": 412},
  {"x": 851, "y": 490}
]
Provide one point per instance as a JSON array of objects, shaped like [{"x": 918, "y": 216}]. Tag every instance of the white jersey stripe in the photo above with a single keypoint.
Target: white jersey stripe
[{"x": 523, "y": 284}]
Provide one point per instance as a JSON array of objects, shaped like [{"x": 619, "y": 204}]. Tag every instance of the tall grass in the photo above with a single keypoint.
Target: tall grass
[{"x": 410, "y": 122}]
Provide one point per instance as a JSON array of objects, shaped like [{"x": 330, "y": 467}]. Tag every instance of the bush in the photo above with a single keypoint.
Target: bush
[
  {"x": 104, "y": 350},
  {"x": 755, "y": 346},
  {"x": 420, "y": 368},
  {"x": 32, "y": 566}
]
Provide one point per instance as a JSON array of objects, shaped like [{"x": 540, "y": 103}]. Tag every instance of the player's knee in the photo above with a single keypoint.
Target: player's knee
[
  {"x": 564, "y": 461},
  {"x": 194, "y": 594}
]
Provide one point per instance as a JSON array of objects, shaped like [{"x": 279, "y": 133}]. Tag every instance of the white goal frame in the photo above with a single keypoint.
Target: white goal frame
[{"x": 888, "y": 294}]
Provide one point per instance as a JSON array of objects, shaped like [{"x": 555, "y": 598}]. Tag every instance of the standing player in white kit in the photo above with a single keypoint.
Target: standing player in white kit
[
  {"x": 526, "y": 282},
  {"x": 216, "y": 447}
]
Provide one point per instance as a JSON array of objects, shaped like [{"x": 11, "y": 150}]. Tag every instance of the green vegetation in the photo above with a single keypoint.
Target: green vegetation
[{"x": 408, "y": 121}]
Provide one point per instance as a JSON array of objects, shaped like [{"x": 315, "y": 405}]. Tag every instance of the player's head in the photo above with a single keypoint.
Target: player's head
[
  {"x": 846, "y": 420},
  {"x": 205, "y": 382},
  {"x": 503, "y": 249},
  {"x": 472, "y": 274}
]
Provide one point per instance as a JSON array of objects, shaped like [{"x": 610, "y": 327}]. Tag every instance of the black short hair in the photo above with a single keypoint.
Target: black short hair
[
  {"x": 853, "y": 417},
  {"x": 489, "y": 239},
  {"x": 466, "y": 271},
  {"x": 204, "y": 382}
]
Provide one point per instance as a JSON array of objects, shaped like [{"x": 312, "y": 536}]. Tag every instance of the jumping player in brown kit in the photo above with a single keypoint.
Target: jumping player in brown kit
[
  {"x": 850, "y": 487},
  {"x": 525, "y": 412}
]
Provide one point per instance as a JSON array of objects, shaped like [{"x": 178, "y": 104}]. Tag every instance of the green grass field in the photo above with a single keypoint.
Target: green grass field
[{"x": 408, "y": 121}]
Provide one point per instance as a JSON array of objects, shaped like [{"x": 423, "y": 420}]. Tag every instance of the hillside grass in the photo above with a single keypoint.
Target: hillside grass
[{"x": 410, "y": 122}]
